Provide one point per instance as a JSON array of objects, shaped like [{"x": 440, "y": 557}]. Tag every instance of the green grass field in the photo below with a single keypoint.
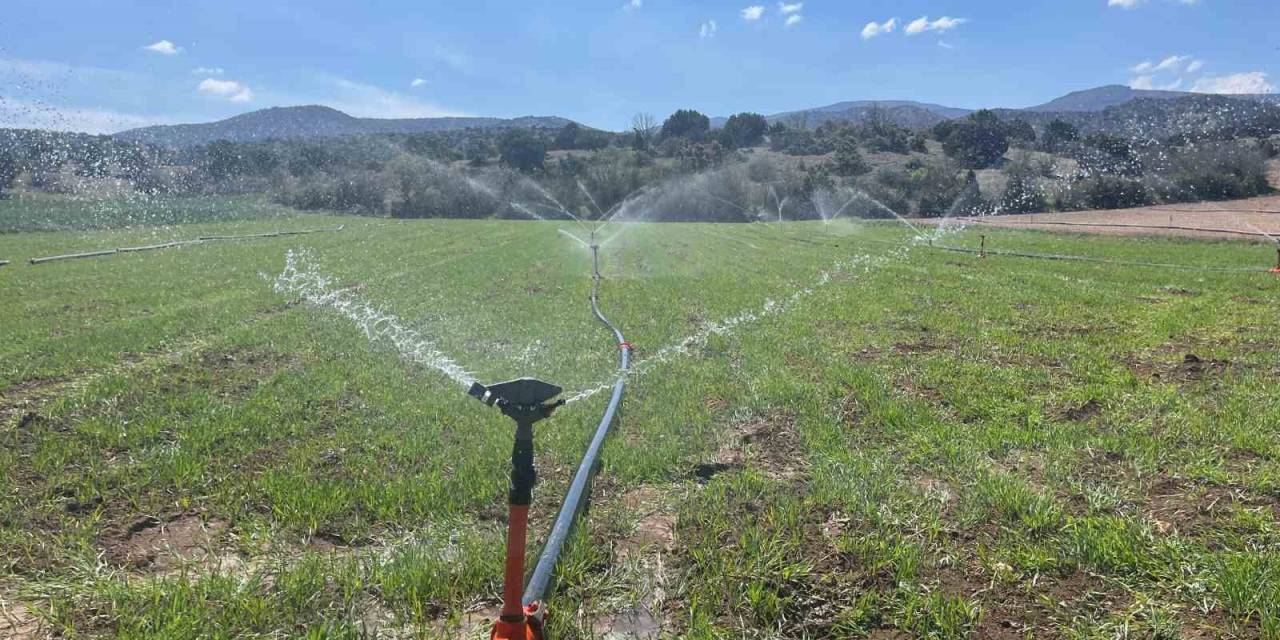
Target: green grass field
[{"x": 905, "y": 442}]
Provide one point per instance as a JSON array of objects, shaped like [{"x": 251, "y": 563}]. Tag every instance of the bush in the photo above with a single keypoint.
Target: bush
[
  {"x": 848, "y": 161},
  {"x": 522, "y": 150},
  {"x": 1108, "y": 192},
  {"x": 1216, "y": 171},
  {"x": 977, "y": 142},
  {"x": 687, "y": 124},
  {"x": 744, "y": 130}
]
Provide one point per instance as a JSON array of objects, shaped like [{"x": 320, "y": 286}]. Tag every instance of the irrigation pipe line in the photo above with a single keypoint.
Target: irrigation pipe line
[
  {"x": 1068, "y": 258},
  {"x": 540, "y": 580},
  {"x": 177, "y": 243},
  {"x": 1177, "y": 210},
  {"x": 4, "y": 263},
  {"x": 1256, "y": 234}
]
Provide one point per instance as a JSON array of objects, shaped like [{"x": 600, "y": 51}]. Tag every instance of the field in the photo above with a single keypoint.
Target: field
[{"x": 832, "y": 431}]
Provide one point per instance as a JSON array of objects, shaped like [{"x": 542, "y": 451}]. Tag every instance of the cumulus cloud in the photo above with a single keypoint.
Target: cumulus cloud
[
  {"x": 1148, "y": 83},
  {"x": 1172, "y": 64},
  {"x": 417, "y": 82},
  {"x": 632, "y": 5},
  {"x": 788, "y": 9},
  {"x": 1248, "y": 82},
  {"x": 754, "y": 12},
  {"x": 164, "y": 48},
  {"x": 874, "y": 29},
  {"x": 941, "y": 25},
  {"x": 708, "y": 29},
  {"x": 227, "y": 89},
  {"x": 208, "y": 71},
  {"x": 794, "y": 19}
]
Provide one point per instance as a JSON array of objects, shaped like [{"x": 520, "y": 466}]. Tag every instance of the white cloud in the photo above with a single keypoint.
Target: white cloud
[
  {"x": 754, "y": 12},
  {"x": 208, "y": 71},
  {"x": 229, "y": 89},
  {"x": 874, "y": 29},
  {"x": 794, "y": 19},
  {"x": 946, "y": 45},
  {"x": 368, "y": 101},
  {"x": 1249, "y": 82},
  {"x": 632, "y": 5},
  {"x": 1148, "y": 83},
  {"x": 1173, "y": 63},
  {"x": 787, "y": 9},
  {"x": 941, "y": 25},
  {"x": 164, "y": 48},
  {"x": 417, "y": 82},
  {"x": 708, "y": 29}
]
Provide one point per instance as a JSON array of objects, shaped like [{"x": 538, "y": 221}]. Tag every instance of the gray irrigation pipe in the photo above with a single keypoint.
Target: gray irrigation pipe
[
  {"x": 180, "y": 243},
  {"x": 4, "y": 263},
  {"x": 575, "y": 499},
  {"x": 1255, "y": 234}
]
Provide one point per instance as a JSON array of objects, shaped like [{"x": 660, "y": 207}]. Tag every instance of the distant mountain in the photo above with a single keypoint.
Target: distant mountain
[
  {"x": 314, "y": 122},
  {"x": 1188, "y": 114},
  {"x": 907, "y": 113},
  {"x": 1114, "y": 95}
]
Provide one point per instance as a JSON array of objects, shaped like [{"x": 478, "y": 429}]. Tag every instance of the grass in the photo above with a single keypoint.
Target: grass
[{"x": 921, "y": 443}]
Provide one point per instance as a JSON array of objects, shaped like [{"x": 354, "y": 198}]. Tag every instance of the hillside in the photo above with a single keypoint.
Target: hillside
[
  {"x": 313, "y": 121},
  {"x": 1197, "y": 115},
  {"x": 1100, "y": 98}
]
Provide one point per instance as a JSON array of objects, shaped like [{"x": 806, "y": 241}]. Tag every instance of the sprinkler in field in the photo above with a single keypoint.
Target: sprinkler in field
[
  {"x": 1277, "y": 269},
  {"x": 526, "y": 401}
]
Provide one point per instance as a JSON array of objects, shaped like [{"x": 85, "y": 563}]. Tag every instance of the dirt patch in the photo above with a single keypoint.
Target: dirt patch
[
  {"x": 768, "y": 443},
  {"x": 154, "y": 545},
  {"x": 1177, "y": 506},
  {"x": 1235, "y": 219},
  {"x": 475, "y": 623},
  {"x": 1189, "y": 368},
  {"x": 633, "y": 624},
  {"x": 1082, "y": 412},
  {"x": 17, "y": 622},
  {"x": 655, "y": 525}
]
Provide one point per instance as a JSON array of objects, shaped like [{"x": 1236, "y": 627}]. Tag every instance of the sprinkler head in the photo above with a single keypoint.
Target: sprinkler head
[{"x": 521, "y": 399}]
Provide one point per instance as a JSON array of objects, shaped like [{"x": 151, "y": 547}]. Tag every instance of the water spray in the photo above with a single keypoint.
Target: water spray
[{"x": 526, "y": 401}]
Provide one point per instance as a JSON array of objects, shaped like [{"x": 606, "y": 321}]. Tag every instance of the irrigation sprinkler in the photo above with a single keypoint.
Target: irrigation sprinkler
[
  {"x": 1277, "y": 269},
  {"x": 525, "y": 401},
  {"x": 982, "y": 250}
]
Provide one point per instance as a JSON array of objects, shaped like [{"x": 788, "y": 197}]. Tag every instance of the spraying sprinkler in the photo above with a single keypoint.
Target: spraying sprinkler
[
  {"x": 1277, "y": 269},
  {"x": 526, "y": 401}
]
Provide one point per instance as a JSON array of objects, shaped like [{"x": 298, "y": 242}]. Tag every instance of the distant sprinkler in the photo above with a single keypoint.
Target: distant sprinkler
[
  {"x": 525, "y": 401},
  {"x": 1277, "y": 269}
]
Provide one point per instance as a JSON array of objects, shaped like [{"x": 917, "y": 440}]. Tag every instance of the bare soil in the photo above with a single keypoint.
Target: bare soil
[{"x": 1247, "y": 219}]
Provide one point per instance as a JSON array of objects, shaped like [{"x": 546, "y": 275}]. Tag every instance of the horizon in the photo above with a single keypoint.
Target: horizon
[{"x": 499, "y": 59}]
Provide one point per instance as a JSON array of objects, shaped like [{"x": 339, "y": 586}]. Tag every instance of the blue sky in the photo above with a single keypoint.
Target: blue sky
[{"x": 107, "y": 65}]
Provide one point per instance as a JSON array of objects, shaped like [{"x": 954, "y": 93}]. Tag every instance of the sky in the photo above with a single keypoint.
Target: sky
[{"x": 108, "y": 65}]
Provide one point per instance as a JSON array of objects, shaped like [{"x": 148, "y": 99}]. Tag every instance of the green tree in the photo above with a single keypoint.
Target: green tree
[
  {"x": 744, "y": 130},
  {"x": 686, "y": 123},
  {"x": 567, "y": 138},
  {"x": 8, "y": 171},
  {"x": 522, "y": 150},
  {"x": 978, "y": 141},
  {"x": 1058, "y": 135},
  {"x": 848, "y": 160}
]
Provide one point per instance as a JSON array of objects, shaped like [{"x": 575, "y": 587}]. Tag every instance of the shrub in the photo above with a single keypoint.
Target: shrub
[
  {"x": 744, "y": 130},
  {"x": 522, "y": 150},
  {"x": 686, "y": 123},
  {"x": 977, "y": 142}
]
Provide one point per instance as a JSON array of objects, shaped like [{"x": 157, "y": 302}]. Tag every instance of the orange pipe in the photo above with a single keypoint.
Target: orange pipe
[{"x": 513, "y": 579}]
